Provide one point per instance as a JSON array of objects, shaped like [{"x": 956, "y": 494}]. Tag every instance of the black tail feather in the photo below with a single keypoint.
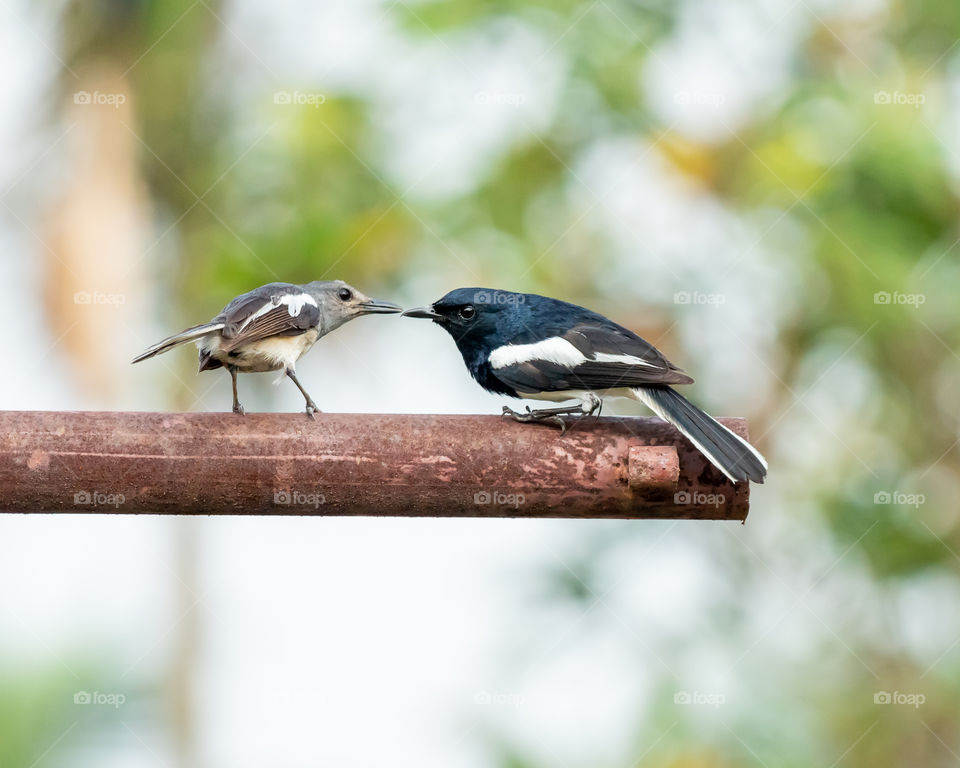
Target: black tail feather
[
  {"x": 730, "y": 453},
  {"x": 190, "y": 334}
]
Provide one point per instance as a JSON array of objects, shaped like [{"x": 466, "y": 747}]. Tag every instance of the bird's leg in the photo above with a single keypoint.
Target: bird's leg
[
  {"x": 311, "y": 406},
  {"x": 585, "y": 408},
  {"x": 237, "y": 408}
]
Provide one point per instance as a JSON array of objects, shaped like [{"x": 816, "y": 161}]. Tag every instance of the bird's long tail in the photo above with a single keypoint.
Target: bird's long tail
[
  {"x": 729, "y": 453},
  {"x": 190, "y": 334}
]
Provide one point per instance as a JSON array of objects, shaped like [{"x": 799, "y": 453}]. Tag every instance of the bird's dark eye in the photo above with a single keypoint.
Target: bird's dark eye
[
  {"x": 344, "y": 294},
  {"x": 468, "y": 312}
]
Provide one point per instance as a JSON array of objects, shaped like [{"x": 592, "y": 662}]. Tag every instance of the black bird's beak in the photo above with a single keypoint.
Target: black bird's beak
[
  {"x": 426, "y": 313},
  {"x": 375, "y": 307}
]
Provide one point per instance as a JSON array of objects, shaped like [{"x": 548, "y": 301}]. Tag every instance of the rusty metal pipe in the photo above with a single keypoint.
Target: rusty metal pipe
[{"x": 357, "y": 464}]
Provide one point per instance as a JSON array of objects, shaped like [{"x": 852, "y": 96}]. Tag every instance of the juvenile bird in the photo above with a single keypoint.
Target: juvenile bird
[
  {"x": 271, "y": 327},
  {"x": 529, "y": 346}
]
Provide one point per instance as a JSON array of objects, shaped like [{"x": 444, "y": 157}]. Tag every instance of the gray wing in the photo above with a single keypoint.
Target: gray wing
[
  {"x": 613, "y": 357},
  {"x": 277, "y": 309}
]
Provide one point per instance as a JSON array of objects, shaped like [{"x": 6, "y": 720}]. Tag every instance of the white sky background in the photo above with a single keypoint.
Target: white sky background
[{"x": 360, "y": 642}]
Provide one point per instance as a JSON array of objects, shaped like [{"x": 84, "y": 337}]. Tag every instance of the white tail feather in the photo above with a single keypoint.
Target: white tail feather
[{"x": 645, "y": 397}]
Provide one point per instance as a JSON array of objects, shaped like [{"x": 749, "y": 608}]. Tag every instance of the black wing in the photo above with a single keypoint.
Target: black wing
[
  {"x": 278, "y": 309},
  {"x": 613, "y": 357}
]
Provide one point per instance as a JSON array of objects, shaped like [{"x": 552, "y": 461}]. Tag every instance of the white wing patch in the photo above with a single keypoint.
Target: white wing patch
[
  {"x": 555, "y": 350},
  {"x": 294, "y": 302},
  {"x": 606, "y": 357}
]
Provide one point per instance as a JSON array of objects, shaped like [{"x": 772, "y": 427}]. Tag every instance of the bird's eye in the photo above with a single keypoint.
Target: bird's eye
[
  {"x": 468, "y": 312},
  {"x": 344, "y": 294}
]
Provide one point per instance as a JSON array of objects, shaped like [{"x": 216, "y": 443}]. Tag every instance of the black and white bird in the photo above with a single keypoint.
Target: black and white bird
[
  {"x": 529, "y": 346},
  {"x": 271, "y": 327}
]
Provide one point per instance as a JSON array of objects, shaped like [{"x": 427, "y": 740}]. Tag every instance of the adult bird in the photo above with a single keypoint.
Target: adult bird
[
  {"x": 271, "y": 327},
  {"x": 528, "y": 346}
]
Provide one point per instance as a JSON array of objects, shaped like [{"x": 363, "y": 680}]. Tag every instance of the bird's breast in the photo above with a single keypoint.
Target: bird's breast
[{"x": 483, "y": 374}]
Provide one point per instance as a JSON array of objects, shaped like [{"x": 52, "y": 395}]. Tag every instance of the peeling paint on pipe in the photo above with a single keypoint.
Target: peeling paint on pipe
[{"x": 357, "y": 464}]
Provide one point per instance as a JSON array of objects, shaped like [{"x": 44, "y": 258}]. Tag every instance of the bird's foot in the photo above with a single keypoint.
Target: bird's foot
[
  {"x": 534, "y": 416},
  {"x": 237, "y": 408},
  {"x": 312, "y": 409}
]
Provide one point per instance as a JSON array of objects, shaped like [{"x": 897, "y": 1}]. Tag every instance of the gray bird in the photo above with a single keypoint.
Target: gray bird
[{"x": 271, "y": 327}]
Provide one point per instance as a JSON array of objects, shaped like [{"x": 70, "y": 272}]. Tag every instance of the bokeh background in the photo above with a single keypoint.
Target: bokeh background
[{"x": 767, "y": 189}]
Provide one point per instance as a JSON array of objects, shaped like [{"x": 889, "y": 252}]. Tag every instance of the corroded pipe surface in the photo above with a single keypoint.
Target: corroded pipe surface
[{"x": 357, "y": 464}]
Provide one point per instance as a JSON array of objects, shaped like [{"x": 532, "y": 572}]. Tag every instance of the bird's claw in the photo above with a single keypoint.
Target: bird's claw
[
  {"x": 239, "y": 409},
  {"x": 312, "y": 410},
  {"x": 533, "y": 416},
  {"x": 558, "y": 420}
]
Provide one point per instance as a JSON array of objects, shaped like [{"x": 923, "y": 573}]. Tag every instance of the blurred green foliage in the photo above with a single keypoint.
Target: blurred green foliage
[
  {"x": 36, "y": 708},
  {"x": 877, "y": 214},
  {"x": 41, "y": 721}
]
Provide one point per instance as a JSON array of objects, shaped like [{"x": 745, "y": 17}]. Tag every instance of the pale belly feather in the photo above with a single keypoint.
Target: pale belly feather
[{"x": 273, "y": 354}]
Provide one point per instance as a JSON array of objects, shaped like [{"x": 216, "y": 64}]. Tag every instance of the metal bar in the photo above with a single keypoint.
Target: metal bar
[{"x": 357, "y": 464}]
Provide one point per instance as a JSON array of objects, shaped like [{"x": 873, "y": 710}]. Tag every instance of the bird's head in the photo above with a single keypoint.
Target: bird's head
[
  {"x": 340, "y": 302},
  {"x": 476, "y": 317}
]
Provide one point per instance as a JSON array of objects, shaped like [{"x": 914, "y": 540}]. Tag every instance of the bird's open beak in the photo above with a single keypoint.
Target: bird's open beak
[
  {"x": 375, "y": 307},
  {"x": 426, "y": 313}
]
